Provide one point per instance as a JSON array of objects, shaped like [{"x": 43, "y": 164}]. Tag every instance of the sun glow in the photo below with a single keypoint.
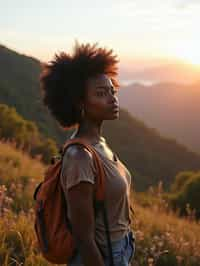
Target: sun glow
[
  {"x": 188, "y": 51},
  {"x": 192, "y": 57}
]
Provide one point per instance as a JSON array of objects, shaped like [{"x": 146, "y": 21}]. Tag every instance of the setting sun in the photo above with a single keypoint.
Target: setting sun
[
  {"x": 186, "y": 50},
  {"x": 190, "y": 53}
]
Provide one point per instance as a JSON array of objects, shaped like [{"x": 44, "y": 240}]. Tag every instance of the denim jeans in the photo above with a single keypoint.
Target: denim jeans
[{"x": 123, "y": 252}]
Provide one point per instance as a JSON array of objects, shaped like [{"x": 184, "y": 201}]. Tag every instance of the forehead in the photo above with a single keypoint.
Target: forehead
[{"x": 99, "y": 81}]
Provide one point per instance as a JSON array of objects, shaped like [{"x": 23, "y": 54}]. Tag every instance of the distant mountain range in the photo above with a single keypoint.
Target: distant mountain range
[
  {"x": 171, "y": 108},
  {"x": 172, "y": 71},
  {"x": 149, "y": 156}
]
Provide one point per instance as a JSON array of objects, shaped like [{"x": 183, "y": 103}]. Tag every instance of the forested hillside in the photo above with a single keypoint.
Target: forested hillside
[{"x": 19, "y": 87}]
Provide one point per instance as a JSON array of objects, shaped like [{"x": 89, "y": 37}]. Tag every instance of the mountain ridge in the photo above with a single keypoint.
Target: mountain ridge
[{"x": 171, "y": 108}]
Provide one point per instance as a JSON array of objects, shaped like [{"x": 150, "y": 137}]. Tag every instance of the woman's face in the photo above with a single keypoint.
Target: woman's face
[{"x": 101, "y": 102}]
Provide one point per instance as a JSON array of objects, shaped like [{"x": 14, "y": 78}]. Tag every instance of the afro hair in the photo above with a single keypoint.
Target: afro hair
[{"x": 63, "y": 80}]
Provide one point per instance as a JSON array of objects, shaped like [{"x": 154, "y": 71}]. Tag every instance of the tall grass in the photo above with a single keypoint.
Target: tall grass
[
  {"x": 15, "y": 163},
  {"x": 162, "y": 237}
]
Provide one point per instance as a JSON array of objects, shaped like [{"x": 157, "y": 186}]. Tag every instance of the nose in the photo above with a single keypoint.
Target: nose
[{"x": 113, "y": 99}]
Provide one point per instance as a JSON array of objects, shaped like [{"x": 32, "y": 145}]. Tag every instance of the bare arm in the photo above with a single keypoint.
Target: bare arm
[{"x": 80, "y": 202}]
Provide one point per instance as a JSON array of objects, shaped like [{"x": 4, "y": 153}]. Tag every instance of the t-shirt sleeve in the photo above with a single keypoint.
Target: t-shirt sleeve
[{"x": 76, "y": 169}]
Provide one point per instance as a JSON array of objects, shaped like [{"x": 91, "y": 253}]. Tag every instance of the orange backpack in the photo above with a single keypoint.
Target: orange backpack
[{"x": 52, "y": 227}]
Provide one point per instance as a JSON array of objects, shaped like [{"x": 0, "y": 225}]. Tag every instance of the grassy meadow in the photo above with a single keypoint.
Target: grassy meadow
[{"x": 163, "y": 238}]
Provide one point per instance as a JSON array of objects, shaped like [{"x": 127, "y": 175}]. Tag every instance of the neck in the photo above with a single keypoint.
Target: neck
[{"x": 89, "y": 130}]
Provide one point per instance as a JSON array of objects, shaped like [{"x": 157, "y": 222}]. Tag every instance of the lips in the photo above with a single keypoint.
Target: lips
[{"x": 115, "y": 108}]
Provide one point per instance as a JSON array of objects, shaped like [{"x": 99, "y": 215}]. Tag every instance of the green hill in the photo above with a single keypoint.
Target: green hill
[
  {"x": 19, "y": 87},
  {"x": 25, "y": 134},
  {"x": 149, "y": 156}
]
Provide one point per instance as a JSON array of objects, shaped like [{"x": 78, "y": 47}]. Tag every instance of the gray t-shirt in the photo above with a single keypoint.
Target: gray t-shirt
[{"x": 117, "y": 189}]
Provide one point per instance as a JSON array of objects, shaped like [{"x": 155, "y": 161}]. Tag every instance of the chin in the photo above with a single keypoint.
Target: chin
[{"x": 113, "y": 117}]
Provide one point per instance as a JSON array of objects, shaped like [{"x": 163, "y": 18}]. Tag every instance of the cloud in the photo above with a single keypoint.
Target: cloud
[{"x": 184, "y": 4}]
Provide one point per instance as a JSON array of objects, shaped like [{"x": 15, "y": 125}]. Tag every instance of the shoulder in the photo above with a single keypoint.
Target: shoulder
[
  {"x": 77, "y": 152},
  {"x": 77, "y": 166}
]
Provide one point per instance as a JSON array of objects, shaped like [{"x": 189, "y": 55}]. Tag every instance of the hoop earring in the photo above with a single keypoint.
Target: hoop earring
[{"x": 82, "y": 112}]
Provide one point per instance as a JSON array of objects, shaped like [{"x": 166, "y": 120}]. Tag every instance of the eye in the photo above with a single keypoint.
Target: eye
[
  {"x": 105, "y": 92},
  {"x": 114, "y": 92}
]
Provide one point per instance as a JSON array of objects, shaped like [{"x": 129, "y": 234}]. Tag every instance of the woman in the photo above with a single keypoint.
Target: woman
[{"x": 80, "y": 90}]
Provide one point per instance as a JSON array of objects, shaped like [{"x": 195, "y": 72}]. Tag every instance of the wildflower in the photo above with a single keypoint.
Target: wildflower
[{"x": 150, "y": 261}]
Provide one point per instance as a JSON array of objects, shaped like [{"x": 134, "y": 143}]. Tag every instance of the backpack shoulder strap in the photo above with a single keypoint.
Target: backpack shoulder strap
[{"x": 100, "y": 180}]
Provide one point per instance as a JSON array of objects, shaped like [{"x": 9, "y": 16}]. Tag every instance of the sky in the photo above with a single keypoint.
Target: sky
[{"x": 136, "y": 29}]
